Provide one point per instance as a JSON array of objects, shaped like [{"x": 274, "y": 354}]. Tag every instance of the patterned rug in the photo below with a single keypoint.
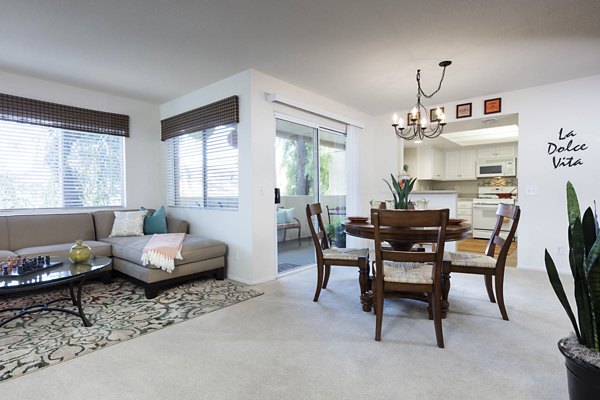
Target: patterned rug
[{"x": 119, "y": 311}]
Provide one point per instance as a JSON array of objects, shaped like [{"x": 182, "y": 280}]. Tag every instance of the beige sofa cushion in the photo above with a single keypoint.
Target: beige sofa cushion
[
  {"x": 103, "y": 222},
  {"x": 47, "y": 229},
  {"x": 6, "y": 253},
  {"x": 4, "y": 243},
  {"x": 98, "y": 249},
  {"x": 194, "y": 248}
]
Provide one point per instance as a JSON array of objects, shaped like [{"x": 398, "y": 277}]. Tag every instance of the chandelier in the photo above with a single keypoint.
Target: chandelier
[{"x": 419, "y": 124}]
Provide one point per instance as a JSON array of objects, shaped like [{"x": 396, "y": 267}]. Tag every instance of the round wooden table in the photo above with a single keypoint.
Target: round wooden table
[{"x": 404, "y": 239}]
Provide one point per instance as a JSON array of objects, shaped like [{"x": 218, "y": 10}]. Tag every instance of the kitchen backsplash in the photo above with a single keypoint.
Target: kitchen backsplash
[{"x": 466, "y": 189}]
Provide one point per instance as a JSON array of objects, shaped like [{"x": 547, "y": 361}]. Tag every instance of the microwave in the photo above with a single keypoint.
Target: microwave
[{"x": 496, "y": 167}]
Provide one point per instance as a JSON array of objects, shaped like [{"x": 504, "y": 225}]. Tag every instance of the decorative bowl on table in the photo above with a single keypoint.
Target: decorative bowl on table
[
  {"x": 358, "y": 219},
  {"x": 455, "y": 221}
]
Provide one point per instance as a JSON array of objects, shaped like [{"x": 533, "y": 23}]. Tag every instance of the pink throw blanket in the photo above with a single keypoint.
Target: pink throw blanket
[{"x": 162, "y": 250}]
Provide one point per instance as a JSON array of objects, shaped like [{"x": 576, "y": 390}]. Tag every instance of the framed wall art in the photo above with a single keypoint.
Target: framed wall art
[
  {"x": 492, "y": 106},
  {"x": 433, "y": 113},
  {"x": 464, "y": 110}
]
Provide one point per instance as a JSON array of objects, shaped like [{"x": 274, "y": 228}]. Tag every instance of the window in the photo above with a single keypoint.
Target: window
[
  {"x": 203, "y": 169},
  {"x": 57, "y": 156},
  {"x": 202, "y": 156}
]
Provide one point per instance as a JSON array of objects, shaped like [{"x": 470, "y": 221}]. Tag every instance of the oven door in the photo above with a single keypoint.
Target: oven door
[{"x": 484, "y": 220}]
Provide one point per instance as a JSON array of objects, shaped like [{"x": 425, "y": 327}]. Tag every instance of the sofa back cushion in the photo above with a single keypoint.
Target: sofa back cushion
[
  {"x": 46, "y": 229},
  {"x": 104, "y": 220},
  {"x": 4, "y": 243}
]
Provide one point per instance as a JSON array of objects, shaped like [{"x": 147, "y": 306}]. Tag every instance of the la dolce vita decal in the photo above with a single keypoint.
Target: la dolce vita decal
[{"x": 566, "y": 151}]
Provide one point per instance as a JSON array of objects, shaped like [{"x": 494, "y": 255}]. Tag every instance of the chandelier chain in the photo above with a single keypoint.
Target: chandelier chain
[{"x": 428, "y": 96}]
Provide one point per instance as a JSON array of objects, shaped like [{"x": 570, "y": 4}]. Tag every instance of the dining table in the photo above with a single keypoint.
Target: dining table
[{"x": 404, "y": 239}]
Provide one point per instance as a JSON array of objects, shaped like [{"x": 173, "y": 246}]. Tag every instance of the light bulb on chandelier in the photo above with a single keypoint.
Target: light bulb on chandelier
[{"x": 418, "y": 126}]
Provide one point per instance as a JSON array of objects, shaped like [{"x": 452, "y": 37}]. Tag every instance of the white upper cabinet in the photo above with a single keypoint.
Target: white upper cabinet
[
  {"x": 503, "y": 151},
  {"x": 460, "y": 165},
  {"x": 430, "y": 164}
]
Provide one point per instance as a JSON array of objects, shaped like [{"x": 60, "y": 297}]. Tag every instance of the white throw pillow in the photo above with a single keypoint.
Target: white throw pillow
[{"x": 128, "y": 223}]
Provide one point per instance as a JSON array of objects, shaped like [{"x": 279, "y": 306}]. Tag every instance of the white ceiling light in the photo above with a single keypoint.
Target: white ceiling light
[{"x": 475, "y": 137}]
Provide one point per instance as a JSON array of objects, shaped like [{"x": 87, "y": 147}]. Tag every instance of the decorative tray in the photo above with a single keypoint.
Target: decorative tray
[
  {"x": 455, "y": 221},
  {"x": 7, "y": 270},
  {"x": 358, "y": 219}
]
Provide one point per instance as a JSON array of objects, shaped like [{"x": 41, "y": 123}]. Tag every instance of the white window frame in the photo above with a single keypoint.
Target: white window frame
[
  {"x": 40, "y": 172},
  {"x": 207, "y": 174}
]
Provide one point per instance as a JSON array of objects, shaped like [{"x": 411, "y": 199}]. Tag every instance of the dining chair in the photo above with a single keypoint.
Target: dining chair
[
  {"x": 486, "y": 264},
  {"x": 328, "y": 256},
  {"x": 411, "y": 274}
]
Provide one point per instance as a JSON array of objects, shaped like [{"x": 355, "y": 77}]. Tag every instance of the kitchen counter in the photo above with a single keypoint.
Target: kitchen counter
[
  {"x": 439, "y": 199},
  {"x": 433, "y": 192}
]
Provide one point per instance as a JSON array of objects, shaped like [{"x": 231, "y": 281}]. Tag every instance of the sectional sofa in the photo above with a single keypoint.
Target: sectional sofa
[{"x": 54, "y": 234}]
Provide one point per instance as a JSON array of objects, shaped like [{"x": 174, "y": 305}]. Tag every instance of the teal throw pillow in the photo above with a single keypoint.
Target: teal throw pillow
[{"x": 155, "y": 223}]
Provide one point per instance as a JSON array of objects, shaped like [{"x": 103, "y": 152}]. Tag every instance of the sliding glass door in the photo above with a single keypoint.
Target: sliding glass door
[{"x": 310, "y": 167}]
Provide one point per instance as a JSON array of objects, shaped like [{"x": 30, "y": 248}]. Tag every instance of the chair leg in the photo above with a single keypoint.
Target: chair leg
[
  {"x": 500, "y": 294},
  {"x": 488, "y": 286},
  {"x": 299, "y": 239},
  {"x": 319, "y": 281},
  {"x": 378, "y": 311},
  {"x": 437, "y": 319},
  {"x": 327, "y": 272}
]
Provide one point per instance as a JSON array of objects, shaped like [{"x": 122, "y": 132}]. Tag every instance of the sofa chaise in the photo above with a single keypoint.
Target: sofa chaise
[{"x": 54, "y": 234}]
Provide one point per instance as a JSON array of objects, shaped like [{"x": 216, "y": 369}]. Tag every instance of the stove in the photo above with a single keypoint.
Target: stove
[{"x": 484, "y": 210}]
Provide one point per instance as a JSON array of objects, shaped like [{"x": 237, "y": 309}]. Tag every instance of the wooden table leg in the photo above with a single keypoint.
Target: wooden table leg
[
  {"x": 366, "y": 295},
  {"x": 445, "y": 291}
]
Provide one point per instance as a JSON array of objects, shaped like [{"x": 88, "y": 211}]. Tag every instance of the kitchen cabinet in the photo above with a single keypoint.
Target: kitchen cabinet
[
  {"x": 430, "y": 163},
  {"x": 504, "y": 151},
  {"x": 464, "y": 210},
  {"x": 460, "y": 165}
]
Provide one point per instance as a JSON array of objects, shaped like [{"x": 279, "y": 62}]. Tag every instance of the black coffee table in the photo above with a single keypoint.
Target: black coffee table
[{"x": 65, "y": 273}]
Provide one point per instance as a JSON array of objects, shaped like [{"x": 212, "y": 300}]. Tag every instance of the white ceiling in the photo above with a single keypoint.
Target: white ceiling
[{"x": 358, "y": 52}]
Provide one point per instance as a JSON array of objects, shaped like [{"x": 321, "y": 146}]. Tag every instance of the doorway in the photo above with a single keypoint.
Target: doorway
[{"x": 310, "y": 168}]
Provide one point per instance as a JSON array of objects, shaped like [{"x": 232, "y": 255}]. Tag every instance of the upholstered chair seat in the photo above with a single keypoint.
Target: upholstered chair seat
[{"x": 470, "y": 260}]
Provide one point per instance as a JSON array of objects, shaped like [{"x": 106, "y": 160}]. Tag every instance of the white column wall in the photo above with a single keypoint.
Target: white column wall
[{"x": 144, "y": 184}]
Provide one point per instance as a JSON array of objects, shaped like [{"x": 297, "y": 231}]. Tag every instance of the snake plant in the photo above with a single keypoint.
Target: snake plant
[
  {"x": 584, "y": 248},
  {"x": 400, "y": 190}
]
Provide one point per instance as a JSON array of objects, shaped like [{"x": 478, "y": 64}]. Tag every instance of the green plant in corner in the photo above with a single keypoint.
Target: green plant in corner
[
  {"x": 584, "y": 249},
  {"x": 400, "y": 190}
]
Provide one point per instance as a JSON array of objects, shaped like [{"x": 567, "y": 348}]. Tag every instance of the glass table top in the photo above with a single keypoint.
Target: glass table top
[{"x": 52, "y": 274}]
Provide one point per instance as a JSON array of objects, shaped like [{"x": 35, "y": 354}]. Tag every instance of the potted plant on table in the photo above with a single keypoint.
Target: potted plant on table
[
  {"x": 400, "y": 190},
  {"x": 581, "y": 350}
]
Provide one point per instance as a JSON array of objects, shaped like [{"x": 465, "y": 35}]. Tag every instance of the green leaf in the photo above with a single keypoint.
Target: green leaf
[
  {"x": 560, "y": 291},
  {"x": 572, "y": 204},
  {"x": 576, "y": 258},
  {"x": 392, "y": 190}
]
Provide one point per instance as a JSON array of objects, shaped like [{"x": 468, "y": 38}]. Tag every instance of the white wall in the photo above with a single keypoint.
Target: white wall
[
  {"x": 144, "y": 184},
  {"x": 249, "y": 232},
  {"x": 543, "y": 111}
]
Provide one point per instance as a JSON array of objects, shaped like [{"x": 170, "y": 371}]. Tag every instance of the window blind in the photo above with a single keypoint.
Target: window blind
[
  {"x": 37, "y": 112},
  {"x": 202, "y": 169},
  {"x": 219, "y": 113},
  {"x": 42, "y": 167}
]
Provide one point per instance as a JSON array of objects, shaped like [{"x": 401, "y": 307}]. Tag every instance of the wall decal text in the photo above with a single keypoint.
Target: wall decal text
[{"x": 565, "y": 152}]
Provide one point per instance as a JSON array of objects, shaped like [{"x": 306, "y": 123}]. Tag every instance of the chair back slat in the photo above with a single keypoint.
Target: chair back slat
[
  {"x": 388, "y": 219},
  {"x": 317, "y": 229},
  {"x": 505, "y": 212}
]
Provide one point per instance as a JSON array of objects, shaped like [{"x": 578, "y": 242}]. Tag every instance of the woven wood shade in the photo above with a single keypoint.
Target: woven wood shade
[
  {"x": 36, "y": 112},
  {"x": 222, "y": 112}
]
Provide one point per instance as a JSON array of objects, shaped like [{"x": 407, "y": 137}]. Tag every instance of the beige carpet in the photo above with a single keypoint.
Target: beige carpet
[{"x": 281, "y": 345}]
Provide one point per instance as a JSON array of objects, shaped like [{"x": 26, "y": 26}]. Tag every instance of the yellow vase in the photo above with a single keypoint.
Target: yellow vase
[{"x": 80, "y": 252}]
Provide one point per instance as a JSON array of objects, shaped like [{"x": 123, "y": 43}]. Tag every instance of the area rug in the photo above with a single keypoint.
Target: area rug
[{"x": 119, "y": 311}]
